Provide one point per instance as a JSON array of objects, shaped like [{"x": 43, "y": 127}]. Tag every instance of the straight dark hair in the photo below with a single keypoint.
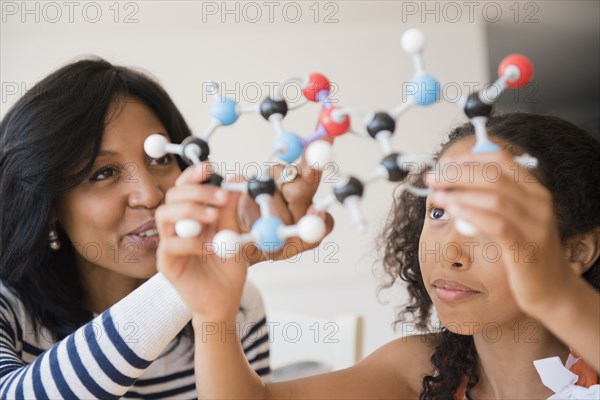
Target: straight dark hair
[{"x": 48, "y": 143}]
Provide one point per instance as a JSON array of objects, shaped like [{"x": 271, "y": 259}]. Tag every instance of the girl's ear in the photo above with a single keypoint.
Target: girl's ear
[{"x": 583, "y": 250}]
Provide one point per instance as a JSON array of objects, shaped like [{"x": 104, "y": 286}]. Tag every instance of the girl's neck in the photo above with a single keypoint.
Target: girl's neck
[{"x": 506, "y": 354}]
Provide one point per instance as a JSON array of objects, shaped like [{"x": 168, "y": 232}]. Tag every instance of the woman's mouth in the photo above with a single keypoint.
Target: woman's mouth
[
  {"x": 147, "y": 239},
  {"x": 145, "y": 236}
]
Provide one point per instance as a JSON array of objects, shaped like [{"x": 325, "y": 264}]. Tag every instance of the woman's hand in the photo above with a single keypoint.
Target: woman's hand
[
  {"x": 212, "y": 286},
  {"x": 290, "y": 203},
  {"x": 506, "y": 203}
]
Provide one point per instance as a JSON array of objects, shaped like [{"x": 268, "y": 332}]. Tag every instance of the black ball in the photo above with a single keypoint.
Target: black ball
[
  {"x": 214, "y": 180},
  {"x": 353, "y": 187},
  {"x": 257, "y": 187},
  {"x": 381, "y": 121},
  {"x": 203, "y": 145},
  {"x": 269, "y": 107},
  {"x": 474, "y": 107},
  {"x": 395, "y": 173}
]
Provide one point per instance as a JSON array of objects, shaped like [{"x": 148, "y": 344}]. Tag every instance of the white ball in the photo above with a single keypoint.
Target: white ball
[
  {"x": 226, "y": 242},
  {"x": 413, "y": 41},
  {"x": 465, "y": 228},
  {"x": 187, "y": 228},
  {"x": 154, "y": 145},
  {"x": 318, "y": 154},
  {"x": 311, "y": 228}
]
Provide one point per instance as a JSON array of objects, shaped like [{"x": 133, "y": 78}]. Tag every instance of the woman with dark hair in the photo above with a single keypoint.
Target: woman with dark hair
[
  {"x": 83, "y": 312},
  {"x": 515, "y": 319}
]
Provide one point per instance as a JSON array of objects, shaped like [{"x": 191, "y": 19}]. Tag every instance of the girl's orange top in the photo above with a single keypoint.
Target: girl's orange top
[{"x": 587, "y": 376}]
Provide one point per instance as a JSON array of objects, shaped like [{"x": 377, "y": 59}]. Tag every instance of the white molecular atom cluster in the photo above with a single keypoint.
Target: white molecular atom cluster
[{"x": 269, "y": 233}]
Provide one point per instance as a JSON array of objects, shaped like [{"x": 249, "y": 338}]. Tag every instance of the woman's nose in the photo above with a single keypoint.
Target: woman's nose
[{"x": 145, "y": 190}]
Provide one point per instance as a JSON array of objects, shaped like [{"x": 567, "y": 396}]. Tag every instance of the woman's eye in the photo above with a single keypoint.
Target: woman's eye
[
  {"x": 162, "y": 161},
  {"x": 103, "y": 174},
  {"x": 438, "y": 214}
]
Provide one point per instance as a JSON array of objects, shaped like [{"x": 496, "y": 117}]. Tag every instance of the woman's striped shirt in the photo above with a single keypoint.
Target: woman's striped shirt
[{"x": 131, "y": 350}]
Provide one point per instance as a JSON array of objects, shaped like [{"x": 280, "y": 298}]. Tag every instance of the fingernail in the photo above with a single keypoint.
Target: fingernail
[
  {"x": 439, "y": 196},
  {"x": 453, "y": 208},
  {"x": 210, "y": 212},
  {"x": 429, "y": 178},
  {"x": 221, "y": 195}
]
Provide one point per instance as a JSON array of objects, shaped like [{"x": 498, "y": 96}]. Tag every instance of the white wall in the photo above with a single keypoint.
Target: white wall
[{"x": 360, "y": 52}]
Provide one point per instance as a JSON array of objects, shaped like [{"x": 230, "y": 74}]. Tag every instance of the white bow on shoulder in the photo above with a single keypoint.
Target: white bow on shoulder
[{"x": 561, "y": 381}]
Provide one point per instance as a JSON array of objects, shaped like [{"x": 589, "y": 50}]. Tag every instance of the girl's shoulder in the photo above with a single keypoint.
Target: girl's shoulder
[
  {"x": 406, "y": 360},
  {"x": 414, "y": 361}
]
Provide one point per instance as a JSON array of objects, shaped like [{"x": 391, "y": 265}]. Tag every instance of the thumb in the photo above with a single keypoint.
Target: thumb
[{"x": 229, "y": 216}]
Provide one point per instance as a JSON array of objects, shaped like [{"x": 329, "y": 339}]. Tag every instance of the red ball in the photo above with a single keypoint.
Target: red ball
[
  {"x": 316, "y": 83},
  {"x": 332, "y": 127},
  {"x": 525, "y": 66}
]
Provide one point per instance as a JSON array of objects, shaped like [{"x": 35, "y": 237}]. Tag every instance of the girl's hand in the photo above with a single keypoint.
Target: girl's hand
[
  {"x": 211, "y": 286},
  {"x": 505, "y": 203}
]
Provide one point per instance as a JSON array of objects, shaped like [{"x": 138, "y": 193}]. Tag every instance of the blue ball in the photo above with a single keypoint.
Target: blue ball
[
  {"x": 292, "y": 145},
  {"x": 223, "y": 109},
  {"x": 427, "y": 90},
  {"x": 266, "y": 228}
]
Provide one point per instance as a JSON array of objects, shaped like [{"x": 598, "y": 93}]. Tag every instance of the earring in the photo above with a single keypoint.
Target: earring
[{"x": 53, "y": 239}]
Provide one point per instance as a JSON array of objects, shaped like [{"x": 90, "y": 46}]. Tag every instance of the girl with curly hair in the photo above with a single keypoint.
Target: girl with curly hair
[{"x": 522, "y": 294}]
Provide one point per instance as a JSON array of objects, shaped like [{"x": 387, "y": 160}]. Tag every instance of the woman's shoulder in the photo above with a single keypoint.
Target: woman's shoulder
[
  {"x": 252, "y": 306},
  {"x": 9, "y": 302}
]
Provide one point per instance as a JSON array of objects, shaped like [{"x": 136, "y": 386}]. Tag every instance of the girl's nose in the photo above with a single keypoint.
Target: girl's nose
[{"x": 458, "y": 251}]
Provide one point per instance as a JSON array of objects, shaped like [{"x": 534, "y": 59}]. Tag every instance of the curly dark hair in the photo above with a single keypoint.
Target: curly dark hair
[{"x": 569, "y": 161}]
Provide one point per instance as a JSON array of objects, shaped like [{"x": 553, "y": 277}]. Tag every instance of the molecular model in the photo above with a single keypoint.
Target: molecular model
[{"x": 269, "y": 233}]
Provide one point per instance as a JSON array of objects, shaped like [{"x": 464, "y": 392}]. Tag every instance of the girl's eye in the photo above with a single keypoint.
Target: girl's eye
[
  {"x": 163, "y": 160},
  {"x": 437, "y": 213}
]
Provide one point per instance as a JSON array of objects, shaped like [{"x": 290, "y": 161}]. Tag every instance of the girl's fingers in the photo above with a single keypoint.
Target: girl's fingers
[
  {"x": 176, "y": 246},
  {"x": 489, "y": 223},
  {"x": 502, "y": 203},
  {"x": 187, "y": 192},
  {"x": 167, "y": 215},
  {"x": 478, "y": 171},
  {"x": 194, "y": 174},
  {"x": 228, "y": 213}
]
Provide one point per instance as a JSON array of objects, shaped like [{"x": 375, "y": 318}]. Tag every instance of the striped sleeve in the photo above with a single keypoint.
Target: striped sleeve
[
  {"x": 102, "y": 359},
  {"x": 254, "y": 331}
]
